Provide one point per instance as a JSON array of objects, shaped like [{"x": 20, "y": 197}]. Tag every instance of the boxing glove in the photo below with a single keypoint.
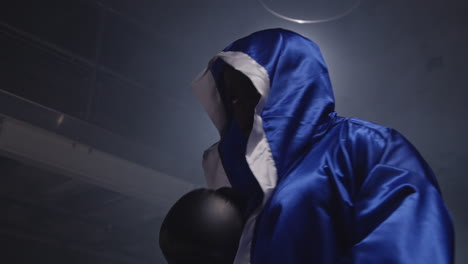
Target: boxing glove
[{"x": 203, "y": 226}]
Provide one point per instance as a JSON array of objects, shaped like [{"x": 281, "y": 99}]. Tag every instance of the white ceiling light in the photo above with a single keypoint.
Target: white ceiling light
[{"x": 310, "y": 11}]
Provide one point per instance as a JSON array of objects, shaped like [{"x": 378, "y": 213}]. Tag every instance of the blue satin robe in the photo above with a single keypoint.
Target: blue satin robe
[
  {"x": 347, "y": 190},
  {"x": 362, "y": 195}
]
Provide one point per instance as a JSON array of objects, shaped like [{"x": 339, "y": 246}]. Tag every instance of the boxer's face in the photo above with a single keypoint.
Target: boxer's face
[{"x": 243, "y": 96}]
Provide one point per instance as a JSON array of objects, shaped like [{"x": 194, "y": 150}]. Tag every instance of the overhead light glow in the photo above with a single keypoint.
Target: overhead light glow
[{"x": 309, "y": 8}]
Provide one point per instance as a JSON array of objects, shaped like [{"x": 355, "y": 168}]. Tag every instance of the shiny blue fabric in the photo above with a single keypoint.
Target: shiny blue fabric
[
  {"x": 232, "y": 147},
  {"x": 348, "y": 191}
]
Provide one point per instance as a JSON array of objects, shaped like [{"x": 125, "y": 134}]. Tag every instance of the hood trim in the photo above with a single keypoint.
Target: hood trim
[{"x": 258, "y": 154}]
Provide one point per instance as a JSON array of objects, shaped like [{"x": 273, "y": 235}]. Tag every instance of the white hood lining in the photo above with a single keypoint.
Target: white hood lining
[{"x": 258, "y": 154}]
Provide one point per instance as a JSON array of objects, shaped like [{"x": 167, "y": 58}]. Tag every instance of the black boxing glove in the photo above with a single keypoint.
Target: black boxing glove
[{"x": 204, "y": 226}]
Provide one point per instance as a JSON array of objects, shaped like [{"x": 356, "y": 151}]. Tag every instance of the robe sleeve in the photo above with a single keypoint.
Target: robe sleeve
[{"x": 399, "y": 214}]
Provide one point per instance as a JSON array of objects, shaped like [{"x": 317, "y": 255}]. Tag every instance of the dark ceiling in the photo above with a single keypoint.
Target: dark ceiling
[
  {"x": 50, "y": 218},
  {"x": 121, "y": 70}
]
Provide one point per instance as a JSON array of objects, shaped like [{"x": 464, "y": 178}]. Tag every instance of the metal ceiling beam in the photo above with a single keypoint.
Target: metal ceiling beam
[
  {"x": 72, "y": 57},
  {"x": 42, "y": 148}
]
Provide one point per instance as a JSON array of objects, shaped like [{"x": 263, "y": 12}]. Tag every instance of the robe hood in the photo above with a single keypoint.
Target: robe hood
[{"x": 295, "y": 107}]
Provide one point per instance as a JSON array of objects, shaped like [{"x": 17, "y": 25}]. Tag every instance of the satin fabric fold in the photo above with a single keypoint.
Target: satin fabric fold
[
  {"x": 362, "y": 194},
  {"x": 232, "y": 149}
]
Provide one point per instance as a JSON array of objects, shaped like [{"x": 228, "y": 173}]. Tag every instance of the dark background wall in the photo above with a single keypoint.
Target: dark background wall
[{"x": 126, "y": 66}]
